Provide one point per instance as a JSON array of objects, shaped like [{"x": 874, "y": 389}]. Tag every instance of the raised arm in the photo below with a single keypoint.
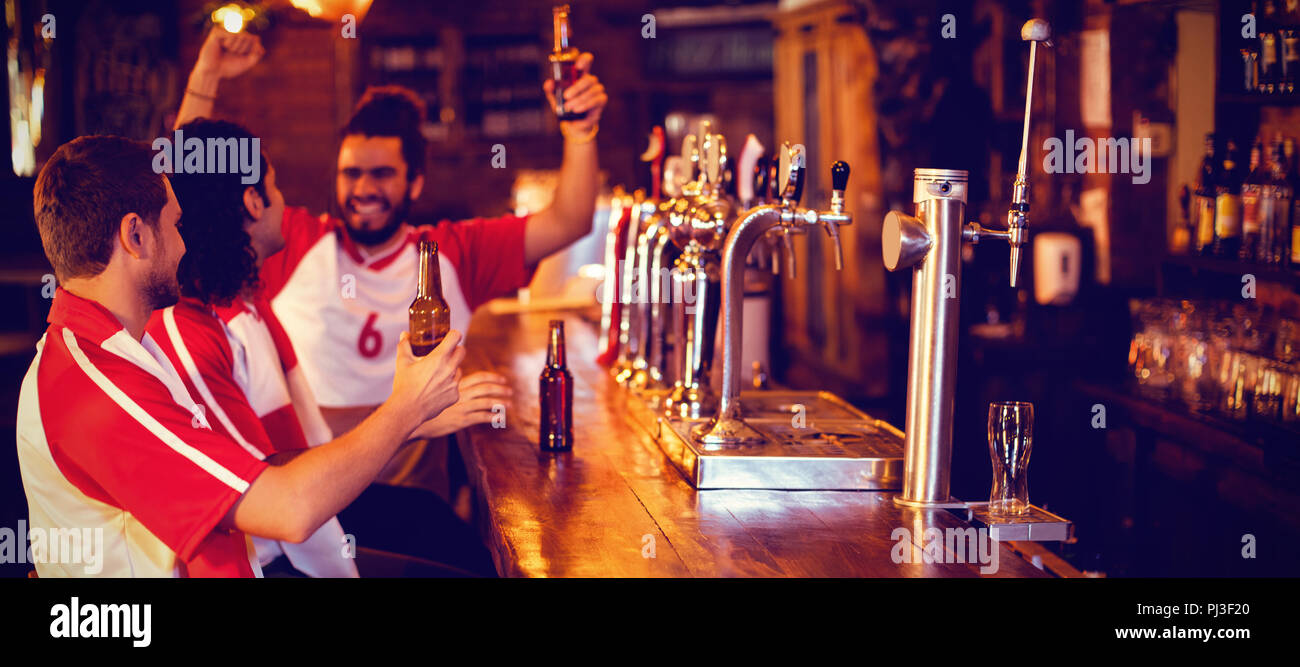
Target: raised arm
[
  {"x": 290, "y": 501},
  {"x": 569, "y": 217},
  {"x": 222, "y": 56}
]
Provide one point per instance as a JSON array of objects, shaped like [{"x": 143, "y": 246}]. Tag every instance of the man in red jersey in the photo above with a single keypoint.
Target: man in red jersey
[
  {"x": 234, "y": 356},
  {"x": 341, "y": 286},
  {"x": 110, "y": 439}
]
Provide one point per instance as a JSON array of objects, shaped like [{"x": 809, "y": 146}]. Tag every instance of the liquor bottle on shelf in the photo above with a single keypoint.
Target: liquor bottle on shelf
[
  {"x": 564, "y": 62},
  {"x": 555, "y": 430},
  {"x": 1292, "y": 167},
  {"x": 1227, "y": 204},
  {"x": 1251, "y": 191},
  {"x": 1288, "y": 40},
  {"x": 1203, "y": 199},
  {"x": 1270, "y": 61},
  {"x": 1275, "y": 208},
  {"x": 1250, "y": 65},
  {"x": 1181, "y": 241},
  {"x": 430, "y": 315}
]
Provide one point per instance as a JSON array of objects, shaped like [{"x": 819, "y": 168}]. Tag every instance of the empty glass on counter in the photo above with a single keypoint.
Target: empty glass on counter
[{"x": 1011, "y": 437}]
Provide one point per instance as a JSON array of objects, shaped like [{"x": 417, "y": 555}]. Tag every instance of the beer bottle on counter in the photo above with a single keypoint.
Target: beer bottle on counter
[
  {"x": 1203, "y": 200},
  {"x": 564, "y": 62},
  {"x": 1227, "y": 205},
  {"x": 556, "y": 392},
  {"x": 430, "y": 315},
  {"x": 1251, "y": 191}
]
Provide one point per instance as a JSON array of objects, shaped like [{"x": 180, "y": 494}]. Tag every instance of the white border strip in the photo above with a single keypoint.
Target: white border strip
[
  {"x": 146, "y": 420},
  {"x": 187, "y": 361}
]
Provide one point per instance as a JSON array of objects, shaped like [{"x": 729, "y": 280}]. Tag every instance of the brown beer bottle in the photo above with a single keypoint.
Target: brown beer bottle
[
  {"x": 430, "y": 315},
  {"x": 556, "y": 392},
  {"x": 564, "y": 62}
]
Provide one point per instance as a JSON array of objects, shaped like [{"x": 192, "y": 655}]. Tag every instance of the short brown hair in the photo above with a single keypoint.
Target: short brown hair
[{"x": 82, "y": 194}]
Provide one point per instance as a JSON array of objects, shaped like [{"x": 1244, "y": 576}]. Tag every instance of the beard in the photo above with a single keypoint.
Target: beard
[
  {"x": 373, "y": 237},
  {"x": 162, "y": 290}
]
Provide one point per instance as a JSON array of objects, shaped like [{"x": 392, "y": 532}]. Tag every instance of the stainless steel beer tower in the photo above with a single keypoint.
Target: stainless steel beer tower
[
  {"x": 728, "y": 428},
  {"x": 930, "y": 240}
]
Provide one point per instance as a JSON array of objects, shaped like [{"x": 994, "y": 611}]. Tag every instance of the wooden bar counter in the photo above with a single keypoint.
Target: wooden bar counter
[{"x": 616, "y": 507}]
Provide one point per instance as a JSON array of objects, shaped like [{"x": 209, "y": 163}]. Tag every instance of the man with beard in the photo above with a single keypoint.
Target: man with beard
[
  {"x": 341, "y": 286},
  {"x": 109, "y": 438}
]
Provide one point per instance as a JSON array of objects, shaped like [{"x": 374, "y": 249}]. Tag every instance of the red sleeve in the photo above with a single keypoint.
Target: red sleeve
[
  {"x": 301, "y": 231},
  {"x": 198, "y": 346},
  {"x": 488, "y": 254},
  {"x": 118, "y": 435}
]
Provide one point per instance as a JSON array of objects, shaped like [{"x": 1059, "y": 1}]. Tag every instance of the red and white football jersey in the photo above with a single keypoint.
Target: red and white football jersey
[
  {"x": 110, "y": 440},
  {"x": 237, "y": 360},
  {"x": 344, "y": 311}
]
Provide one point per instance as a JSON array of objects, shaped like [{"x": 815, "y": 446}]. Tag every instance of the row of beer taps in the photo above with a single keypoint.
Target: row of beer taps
[{"x": 677, "y": 259}]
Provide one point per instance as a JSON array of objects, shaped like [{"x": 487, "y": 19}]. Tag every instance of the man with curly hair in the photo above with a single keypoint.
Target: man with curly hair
[
  {"x": 342, "y": 284},
  {"x": 231, "y": 349}
]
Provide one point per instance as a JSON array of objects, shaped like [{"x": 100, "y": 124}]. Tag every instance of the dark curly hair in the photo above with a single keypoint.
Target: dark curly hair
[
  {"x": 392, "y": 111},
  {"x": 219, "y": 259}
]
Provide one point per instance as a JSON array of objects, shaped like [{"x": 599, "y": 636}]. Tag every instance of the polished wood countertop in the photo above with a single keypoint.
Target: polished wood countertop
[{"x": 616, "y": 507}]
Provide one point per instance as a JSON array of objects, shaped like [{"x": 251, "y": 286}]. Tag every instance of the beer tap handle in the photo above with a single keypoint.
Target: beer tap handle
[
  {"x": 1034, "y": 31},
  {"x": 761, "y": 186},
  {"x": 715, "y": 161},
  {"x": 654, "y": 154},
  {"x": 691, "y": 155},
  {"x": 839, "y": 183},
  {"x": 790, "y": 172},
  {"x": 745, "y": 167}
]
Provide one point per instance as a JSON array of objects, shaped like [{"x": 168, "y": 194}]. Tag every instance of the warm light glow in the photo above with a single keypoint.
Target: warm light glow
[
  {"x": 233, "y": 22},
  {"x": 37, "y": 107},
  {"x": 310, "y": 6},
  {"x": 333, "y": 10},
  {"x": 232, "y": 17}
]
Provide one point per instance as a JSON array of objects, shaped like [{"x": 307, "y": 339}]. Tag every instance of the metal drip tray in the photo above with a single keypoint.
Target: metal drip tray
[
  {"x": 1035, "y": 525},
  {"x": 827, "y": 445}
]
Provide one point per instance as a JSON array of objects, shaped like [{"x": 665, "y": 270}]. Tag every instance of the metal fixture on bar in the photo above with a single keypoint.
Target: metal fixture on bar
[
  {"x": 609, "y": 307},
  {"x": 728, "y": 428},
  {"x": 630, "y": 362},
  {"x": 697, "y": 226},
  {"x": 930, "y": 241},
  {"x": 635, "y": 371}
]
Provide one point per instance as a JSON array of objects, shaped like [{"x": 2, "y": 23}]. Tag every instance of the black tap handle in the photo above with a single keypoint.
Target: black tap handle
[
  {"x": 840, "y": 175},
  {"x": 799, "y": 173},
  {"x": 760, "y": 179}
]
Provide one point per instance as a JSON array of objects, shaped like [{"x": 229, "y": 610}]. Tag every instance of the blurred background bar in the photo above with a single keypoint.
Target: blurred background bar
[{"x": 1162, "y": 355}]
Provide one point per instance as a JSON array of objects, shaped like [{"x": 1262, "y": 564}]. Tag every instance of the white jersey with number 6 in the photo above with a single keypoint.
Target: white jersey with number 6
[{"x": 344, "y": 310}]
